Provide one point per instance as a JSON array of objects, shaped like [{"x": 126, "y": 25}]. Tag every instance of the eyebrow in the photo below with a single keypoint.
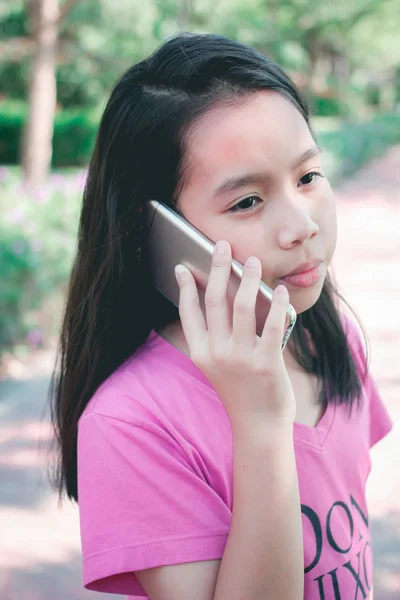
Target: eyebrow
[{"x": 234, "y": 183}]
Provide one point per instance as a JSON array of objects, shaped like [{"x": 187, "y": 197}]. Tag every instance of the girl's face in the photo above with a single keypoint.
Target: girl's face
[{"x": 255, "y": 179}]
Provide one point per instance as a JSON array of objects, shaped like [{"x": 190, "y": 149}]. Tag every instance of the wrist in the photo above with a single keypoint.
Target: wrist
[{"x": 263, "y": 432}]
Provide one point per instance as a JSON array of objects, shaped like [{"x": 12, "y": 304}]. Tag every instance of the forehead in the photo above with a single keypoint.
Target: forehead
[{"x": 262, "y": 131}]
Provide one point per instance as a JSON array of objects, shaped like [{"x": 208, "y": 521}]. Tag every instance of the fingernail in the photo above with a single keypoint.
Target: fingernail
[
  {"x": 252, "y": 262},
  {"x": 281, "y": 291},
  {"x": 221, "y": 247},
  {"x": 179, "y": 271}
]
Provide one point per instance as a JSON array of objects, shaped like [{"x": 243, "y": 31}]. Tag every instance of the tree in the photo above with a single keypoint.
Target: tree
[
  {"x": 46, "y": 17},
  {"x": 321, "y": 45},
  {"x": 184, "y": 14}
]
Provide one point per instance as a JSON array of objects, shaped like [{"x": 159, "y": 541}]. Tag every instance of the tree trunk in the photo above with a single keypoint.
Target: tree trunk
[
  {"x": 313, "y": 50},
  {"x": 314, "y": 55},
  {"x": 38, "y": 134},
  {"x": 343, "y": 74},
  {"x": 184, "y": 14}
]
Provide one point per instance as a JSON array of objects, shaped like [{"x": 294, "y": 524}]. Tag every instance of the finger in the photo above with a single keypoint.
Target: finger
[
  {"x": 274, "y": 327},
  {"x": 216, "y": 296},
  {"x": 191, "y": 315},
  {"x": 244, "y": 306}
]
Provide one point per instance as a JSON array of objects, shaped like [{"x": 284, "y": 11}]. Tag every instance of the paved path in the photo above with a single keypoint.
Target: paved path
[{"x": 39, "y": 544}]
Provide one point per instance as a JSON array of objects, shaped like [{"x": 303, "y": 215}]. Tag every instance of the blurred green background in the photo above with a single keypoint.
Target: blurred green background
[{"x": 58, "y": 62}]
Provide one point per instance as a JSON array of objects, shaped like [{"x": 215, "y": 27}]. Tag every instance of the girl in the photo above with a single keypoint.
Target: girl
[{"x": 207, "y": 463}]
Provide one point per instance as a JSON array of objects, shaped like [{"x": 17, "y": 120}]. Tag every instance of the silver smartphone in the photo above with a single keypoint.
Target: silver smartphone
[{"x": 172, "y": 240}]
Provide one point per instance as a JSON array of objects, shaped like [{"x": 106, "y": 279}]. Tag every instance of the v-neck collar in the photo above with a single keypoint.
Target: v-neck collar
[{"x": 316, "y": 436}]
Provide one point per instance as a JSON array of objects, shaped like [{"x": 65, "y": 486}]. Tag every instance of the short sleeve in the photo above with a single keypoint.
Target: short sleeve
[
  {"x": 141, "y": 504},
  {"x": 380, "y": 422}
]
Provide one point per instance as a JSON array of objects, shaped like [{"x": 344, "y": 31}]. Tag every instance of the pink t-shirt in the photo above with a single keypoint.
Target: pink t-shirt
[{"x": 155, "y": 477}]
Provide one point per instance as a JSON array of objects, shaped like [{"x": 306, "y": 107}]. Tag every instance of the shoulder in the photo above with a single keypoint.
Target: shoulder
[
  {"x": 150, "y": 384},
  {"x": 380, "y": 421},
  {"x": 351, "y": 329}
]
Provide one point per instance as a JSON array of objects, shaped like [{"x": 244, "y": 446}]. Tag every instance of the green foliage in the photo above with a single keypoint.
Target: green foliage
[
  {"x": 74, "y": 136},
  {"x": 354, "y": 144},
  {"x": 93, "y": 53},
  {"x": 327, "y": 106},
  {"x": 73, "y": 140},
  {"x": 19, "y": 270},
  {"x": 38, "y": 236},
  {"x": 13, "y": 22},
  {"x": 13, "y": 79},
  {"x": 12, "y": 117}
]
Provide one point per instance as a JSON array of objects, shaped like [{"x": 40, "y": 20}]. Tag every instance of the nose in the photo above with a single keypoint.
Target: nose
[{"x": 297, "y": 226}]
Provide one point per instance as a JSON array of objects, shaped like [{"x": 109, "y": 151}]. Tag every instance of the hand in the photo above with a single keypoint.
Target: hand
[{"x": 246, "y": 370}]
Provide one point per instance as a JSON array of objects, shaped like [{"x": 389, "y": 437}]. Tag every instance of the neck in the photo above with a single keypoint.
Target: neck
[{"x": 173, "y": 333}]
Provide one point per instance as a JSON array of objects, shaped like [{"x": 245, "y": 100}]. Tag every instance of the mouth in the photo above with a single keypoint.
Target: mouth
[{"x": 304, "y": 277}]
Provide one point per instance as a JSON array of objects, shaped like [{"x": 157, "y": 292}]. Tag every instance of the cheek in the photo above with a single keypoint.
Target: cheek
[
  {"x": 329, "y": 224},
  {"x": 244, "y": 242},
  {"x": 247, "y": 237},
  {"x": 214, "y": 227}
]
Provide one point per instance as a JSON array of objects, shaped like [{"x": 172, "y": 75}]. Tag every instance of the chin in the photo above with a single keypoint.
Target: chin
[{"x": 303, "y": 299}]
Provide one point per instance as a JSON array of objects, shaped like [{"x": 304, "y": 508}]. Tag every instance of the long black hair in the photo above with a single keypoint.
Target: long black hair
[{"x": 139, "y": 155}]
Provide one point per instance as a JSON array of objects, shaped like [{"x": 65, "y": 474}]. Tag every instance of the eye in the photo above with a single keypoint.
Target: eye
[
  {"x": 246, "y": 204},
  {"x": 311, "y": 178}
]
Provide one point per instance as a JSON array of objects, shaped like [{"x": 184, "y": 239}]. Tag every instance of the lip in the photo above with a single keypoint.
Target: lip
[
  {"x": 306, "y": 266},
  {"x": 305, "y": 277}
]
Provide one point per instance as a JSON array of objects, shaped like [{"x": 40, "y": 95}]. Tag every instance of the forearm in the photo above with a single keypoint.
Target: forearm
[{"x": 263, "y": 557}]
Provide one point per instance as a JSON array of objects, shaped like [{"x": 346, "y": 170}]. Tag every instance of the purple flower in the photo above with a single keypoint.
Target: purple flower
[
  {"x": 57, "y": 178},
  {"x": 41, "y": 196},
  {"x": 4, "y": 171},
  {"x": 16, "y": 215},
  {"x": 34, "y": 337},
  {"x": 81, "y": 180}
]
